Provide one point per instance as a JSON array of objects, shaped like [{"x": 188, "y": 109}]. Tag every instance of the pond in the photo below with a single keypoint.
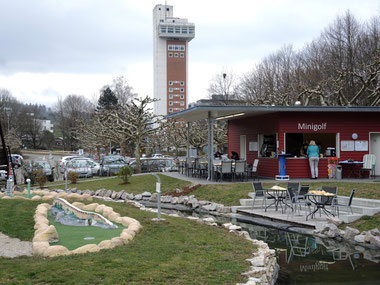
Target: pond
[{"x": 305, "y": 259}]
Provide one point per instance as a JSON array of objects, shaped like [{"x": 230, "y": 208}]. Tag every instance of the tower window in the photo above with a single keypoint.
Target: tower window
[
  {"x": 170, "y": 54},
  {"x": 170, "y": 89},
  {"x": 170, "y": 29},
  {"x": 182, "y": 54},
  {"x": 182, "y": 96},
  {"x": 182, "y": 83},
  {"x": 170, "y": 82},
  {"x": 184, "y": 30},
  {"x": 170, "y": 103},
  {"x": 167, "y": 9},
  {"x": 176, "y": 54},
  {"x": 182, "y": 89},
  {"x": 170, "y": 96},
  {"x": 182, "y": 103},
  {"x": 170, "y": 110}
]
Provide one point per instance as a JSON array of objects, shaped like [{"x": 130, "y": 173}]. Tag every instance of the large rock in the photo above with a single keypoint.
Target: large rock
[
  {"x": 90, "y": 207},
  {"x": 79, "y": 205},
  {"x": 130, "y": 196},
  {"x": 375, "y": 232},
  {"x": 118, "y": 241},
  {"x": 138, "y": 197},
  {"x": 49, "y": 234},
  {"x": 183, "y": 199},
  {"x": 174, "y": 200},
  {"x": 124, "y": 196},
  {"x": 87, "y": 248},
  {"x": 39, "y": 248},
  {"x": 350, "y": 233},
  {"x": 113, "y": 195},
  {"x": 146, "y": 194},
  {"x": 56, "y": 250},
  {"x": 375, "y": 240},
  {"x": 334, "y": 220},
  {"x": 106, "y": 244},
  {"x": 359, "y": 238},
  {"x": 89, "y": 192},
  {"x": 108, "y": 194},
  {"x": 119, "y": 194},
  {"x": 34, "y": 198}
]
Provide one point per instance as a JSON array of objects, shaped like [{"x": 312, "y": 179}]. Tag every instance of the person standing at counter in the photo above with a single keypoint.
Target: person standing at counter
[{"x": 313, "y": 155}]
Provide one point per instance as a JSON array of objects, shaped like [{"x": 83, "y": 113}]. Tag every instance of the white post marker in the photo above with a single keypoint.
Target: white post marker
[{"x": 158, "y": 190}]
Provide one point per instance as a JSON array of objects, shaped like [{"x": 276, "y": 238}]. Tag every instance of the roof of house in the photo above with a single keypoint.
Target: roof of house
[{"x": 224, "y": 112}]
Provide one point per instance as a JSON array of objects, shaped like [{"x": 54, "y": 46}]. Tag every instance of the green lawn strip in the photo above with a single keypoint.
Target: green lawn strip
[
  {"x": 16, "y": 218},
  {"x": 365, "y": 223},
  {"x": 72, "y": 237},
  {"x": 230, "y": 194},
  {"x": 175, "y": 251},
  {"x": 138, "y": 184}
]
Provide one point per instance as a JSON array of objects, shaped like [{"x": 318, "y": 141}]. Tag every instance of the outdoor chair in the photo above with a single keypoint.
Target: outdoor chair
[
  {"x": 301, "y": 197},
  {"x": 189, "y": 166},
  {"x": 254, "y": 169},
  {"x": 330, "y": 202},
  {"x": 299, "y": 245},
  {"x": 259, "y": 191},
  {"x": 225, "y": 169},
  {"x": 336, "y": 205},
  {"x": 369, "y": 161},
  {"x": 240, "y": 167}
]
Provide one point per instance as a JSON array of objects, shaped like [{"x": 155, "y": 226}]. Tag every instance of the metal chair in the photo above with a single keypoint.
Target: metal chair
[
  {"x": 254, "y": 169},
  {"x": 259, "y": 192},
  {"x": 336, "y": 205},
  {"x": 225, "y": 169},
  {"x": 240, "y": 166}
]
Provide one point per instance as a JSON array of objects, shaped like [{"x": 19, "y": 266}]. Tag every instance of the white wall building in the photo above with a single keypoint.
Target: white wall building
[
  {"x": 46, "y": 125},
  {"x": 170, "y": 52}
]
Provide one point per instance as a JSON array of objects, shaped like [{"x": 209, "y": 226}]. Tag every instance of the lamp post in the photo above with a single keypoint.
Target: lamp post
[{"x": 225, "y": 88}]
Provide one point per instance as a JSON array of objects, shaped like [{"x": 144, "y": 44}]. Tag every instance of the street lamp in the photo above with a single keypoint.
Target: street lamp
[{"x": 225, "y": 87}]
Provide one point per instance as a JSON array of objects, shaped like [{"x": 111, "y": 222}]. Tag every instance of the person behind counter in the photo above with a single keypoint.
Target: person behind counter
[
  {"x": 303, "y": 150},
  {"x": 313, "y": 155},
  {"x": 234, "y": 155}
]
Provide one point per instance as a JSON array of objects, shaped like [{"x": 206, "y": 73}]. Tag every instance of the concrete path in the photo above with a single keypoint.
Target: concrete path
[{"x": 13, "y": 247}]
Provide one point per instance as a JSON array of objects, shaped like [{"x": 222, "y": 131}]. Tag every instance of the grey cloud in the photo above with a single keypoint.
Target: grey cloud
[{"x": 37, "y": 36}]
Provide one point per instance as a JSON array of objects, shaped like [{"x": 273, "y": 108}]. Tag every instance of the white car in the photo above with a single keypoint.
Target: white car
[
  {"x": 95, "y": 166},
  {"x": 80, "y": 166}
]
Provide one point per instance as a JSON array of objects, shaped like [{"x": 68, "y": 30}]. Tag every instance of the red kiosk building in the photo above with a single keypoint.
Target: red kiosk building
[{"x": 261, "y": 132}]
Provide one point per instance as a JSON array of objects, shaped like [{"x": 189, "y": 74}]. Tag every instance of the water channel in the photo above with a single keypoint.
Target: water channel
[{"x": 305, "y": 259}]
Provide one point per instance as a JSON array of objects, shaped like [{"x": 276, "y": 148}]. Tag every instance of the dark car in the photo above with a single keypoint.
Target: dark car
[{"x": 110, "y": 165}]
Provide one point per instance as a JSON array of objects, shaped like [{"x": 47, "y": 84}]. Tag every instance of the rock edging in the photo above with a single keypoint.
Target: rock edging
[
  {"x": 45, "y": 233},
  {"x": 367, "y": 239}
]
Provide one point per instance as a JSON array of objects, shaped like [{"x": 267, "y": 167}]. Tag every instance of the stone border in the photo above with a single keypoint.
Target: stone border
[{"x": 45, "y": 233}]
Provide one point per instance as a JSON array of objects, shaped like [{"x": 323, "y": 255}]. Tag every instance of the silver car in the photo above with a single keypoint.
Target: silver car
[{"x": 80, "y": 166}]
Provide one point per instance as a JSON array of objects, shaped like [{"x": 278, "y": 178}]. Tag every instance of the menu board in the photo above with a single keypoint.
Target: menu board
[
  {"x": 253, "y": 146},
  {"x": 361, "y": 145},
  {"x": 347, "y": 145}
]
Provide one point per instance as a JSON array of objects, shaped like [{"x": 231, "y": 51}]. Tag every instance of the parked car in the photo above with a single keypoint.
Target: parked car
[
  {"x": 83, "y": 167},
  {"x": 3, "y": 175},
  {"x": 17, "y": 160},
  {"x": 155, "y": 165},
  {"x": 64, "y": 161},
  {"x": 33, "y": 166},
  {"x": 110, "y": 165},
  {"x": 95, "y": 166}
]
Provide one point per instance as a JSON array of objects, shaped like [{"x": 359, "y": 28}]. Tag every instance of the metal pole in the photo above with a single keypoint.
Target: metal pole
[
  {"x": 65, "y": 179},
  {"x": 28, "y": 181},
  {"x": 188, "y": 140},
  {"x": 210, "y": 147},
  {"x": 158, "y": 191}
]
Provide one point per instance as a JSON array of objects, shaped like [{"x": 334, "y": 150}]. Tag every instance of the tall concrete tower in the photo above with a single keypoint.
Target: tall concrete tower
[{"x": 170, "y": 52}]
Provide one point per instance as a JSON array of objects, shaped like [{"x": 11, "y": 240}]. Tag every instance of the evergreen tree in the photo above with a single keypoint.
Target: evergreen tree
[{"x": 107, "y": 100}]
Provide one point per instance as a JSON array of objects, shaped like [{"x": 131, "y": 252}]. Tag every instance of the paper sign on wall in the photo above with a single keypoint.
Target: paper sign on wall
[
  {"x": 347, "y": 145},
  {"x": 361, "y": 145},
  {"x": 253, "y": 146}
]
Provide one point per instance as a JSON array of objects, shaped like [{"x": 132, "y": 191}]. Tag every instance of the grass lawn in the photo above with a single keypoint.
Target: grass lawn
[
  {"x": 230, "y": 194},
  {"x": 365, "y": 223},
  {"x": 176, "y": 251},
  {"x": 16, "y": 218},
  {"x": 138, "y": 184},
  {"x": 72, "y": 237}
]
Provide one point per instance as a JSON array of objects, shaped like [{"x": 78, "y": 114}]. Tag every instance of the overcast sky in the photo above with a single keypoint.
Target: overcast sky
[{"x": 52, "y": 48}]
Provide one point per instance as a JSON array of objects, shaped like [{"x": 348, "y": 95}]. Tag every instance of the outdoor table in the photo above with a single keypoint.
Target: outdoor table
[
  {"x": 352, "y": 167},
  {"x": 279, "y": 195},
  {"x": 315, "y": 197}
]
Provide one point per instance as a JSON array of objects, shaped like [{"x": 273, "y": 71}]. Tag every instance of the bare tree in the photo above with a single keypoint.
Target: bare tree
[
  {"x": 122, "y": 90},
  {"x": 222, "y": 87}
]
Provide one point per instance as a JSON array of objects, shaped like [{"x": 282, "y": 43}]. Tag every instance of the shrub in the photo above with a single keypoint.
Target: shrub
[
  {"x": 124, "y": 173},
  {"x": 30, "y": 169},
  {"x": 73, "y": 177},
  {"x": 41, "y": 179}
]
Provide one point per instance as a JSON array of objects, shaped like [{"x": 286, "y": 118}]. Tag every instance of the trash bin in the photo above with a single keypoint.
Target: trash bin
[{"x": 339, "y": 172}]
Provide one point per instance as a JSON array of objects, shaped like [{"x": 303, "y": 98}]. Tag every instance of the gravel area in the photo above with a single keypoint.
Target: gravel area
[{"x": 13, "y": 247}]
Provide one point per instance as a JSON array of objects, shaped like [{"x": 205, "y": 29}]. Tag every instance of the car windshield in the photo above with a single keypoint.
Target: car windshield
[
  {"x": 44, "y": 164},
  {"x": 113, "y": 160},
  {"x": 78, "y": 163}
]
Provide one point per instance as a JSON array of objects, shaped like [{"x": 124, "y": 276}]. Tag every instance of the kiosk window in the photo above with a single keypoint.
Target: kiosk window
[
  {"x": 267, "y": 145},
  {"x": 325, "y": 141}
]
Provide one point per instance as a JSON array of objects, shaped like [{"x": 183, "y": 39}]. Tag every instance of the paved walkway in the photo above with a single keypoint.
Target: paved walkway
[
  {"x": 196, "y": 180},
  {"x": 13, "y": 247}
]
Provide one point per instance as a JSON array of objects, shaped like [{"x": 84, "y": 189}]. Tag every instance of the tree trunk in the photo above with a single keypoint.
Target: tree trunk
[
  {"x": 123, "y": 147},
  {"x": 137, "y": 156}
]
